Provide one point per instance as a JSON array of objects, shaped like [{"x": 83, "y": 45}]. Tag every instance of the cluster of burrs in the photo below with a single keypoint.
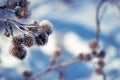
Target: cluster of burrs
[
  {"x": 96, "y": 52},
  {"x": 17, "y": 7},
  {"x": 33, "y": 34}
]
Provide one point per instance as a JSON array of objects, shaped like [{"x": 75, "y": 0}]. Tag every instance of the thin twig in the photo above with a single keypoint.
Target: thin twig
[
  {"x": 5, "y": 8},
  {"x": 54, "y": 67},
  {"x": 98, "y": 20},
  {"x": 60, "y": 75},
  {"x": 22, "y": 24},
  {"x": 104, "y": 76},
  {"x": 117, "y": 75},
  {"x": 17, "y": 24},
  {"x": 3, "y": 20}
]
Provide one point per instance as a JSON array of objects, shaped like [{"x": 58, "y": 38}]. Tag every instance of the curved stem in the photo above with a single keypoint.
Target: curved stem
[
  {"x": 104, "y": 76},
  {"x": 98, "y": 20}
]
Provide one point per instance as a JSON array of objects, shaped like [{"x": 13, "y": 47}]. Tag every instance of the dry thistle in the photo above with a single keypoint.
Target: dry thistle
[
  {"x": 57, "y": 53},
  {"x": 98, "y": 53},
  {"x": 93, "y": 44},
  {"x": 87, "y": 57},
  {"x": 33, "y": 29},
  {"x": 28, "y": 40},
  {"x": 84, "y": 57},
  {"x": 22, "y": 13},
  {"x": 46, "y": 26},
  {"x": 17, "y": 40},
  {"x": 101, "y": 54},
  {"x": 18, "y": 52},
  {"x": 27, "y": 74},
  {"x": 41, "y": 39},
  {"x": 34, "y": 26},
  {"x": 23, "y": 3},
  {"x": 11, "y": 4},
  {"x": 101, "y": 63}
]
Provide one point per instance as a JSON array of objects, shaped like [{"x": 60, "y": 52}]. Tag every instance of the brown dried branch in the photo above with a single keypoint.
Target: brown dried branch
[
  {"x": 98, "y": 20},
  {"x": 34, "y": 77},
  {"x": 60, "y": 75},
  {"x": 116, "y": 76},
  {"x": 104, "y": 76},
  {"x": 20, "y": 26}
]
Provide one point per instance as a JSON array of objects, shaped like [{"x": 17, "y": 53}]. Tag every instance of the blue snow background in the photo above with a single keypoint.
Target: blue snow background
[{"x": 69, "y": 17}]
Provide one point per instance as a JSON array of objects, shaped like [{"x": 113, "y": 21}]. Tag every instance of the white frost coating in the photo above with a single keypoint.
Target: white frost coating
[
  {"x": 33, "y": 22},
  {"x": 46, "y": 23}
]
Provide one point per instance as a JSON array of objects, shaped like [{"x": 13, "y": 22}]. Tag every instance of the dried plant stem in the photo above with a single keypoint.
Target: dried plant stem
[
  {"x": 117, "y": 75},
  {"x": 98, "y": 20},
  {"x": 98, "y": 26},
  {"x": 17, "y": 24},
  {"x": 3, "y": 20},
  {"x": 104, "y": 76},
  {"x": 60, "y": 75},
  {"x": 4, "y": 8},
  {"x": 34, "y": 77},
  {"x": 19, "y": 29}
]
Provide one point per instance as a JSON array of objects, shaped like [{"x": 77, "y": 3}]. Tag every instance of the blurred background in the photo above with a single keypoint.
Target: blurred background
[{"x": 74, "y": 26}]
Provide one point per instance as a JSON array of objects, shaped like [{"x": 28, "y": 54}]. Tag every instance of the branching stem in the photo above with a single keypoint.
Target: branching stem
[{"x": 55, "y": 67}]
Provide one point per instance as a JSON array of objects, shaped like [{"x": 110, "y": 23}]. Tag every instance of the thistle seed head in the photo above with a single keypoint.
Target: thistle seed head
[
  {"x": 22, "y": 13},
  {"x": 101, "y": 54},
  {"x": 23, "y": 3},
  {"x": 84, "y": 57},
  {"x": 87, "y": 57},
  {"x": 33, "y": 26},
  {"x": 11, "y": 4},
  {"x": 46, "y": 26},
  {"x": 41, "y": 39},
  {"x": 28, "y": 40},
  {"x": 18, "y": 52},
  {"x": 81, "y": 56},
  {"x": 33, "y": 29},
  {"x": 27, "y": 74},
  {"x": 17, "y": 40},
  {"x": 93, "y": 44},
  {"x": 57, "y": 53}
]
